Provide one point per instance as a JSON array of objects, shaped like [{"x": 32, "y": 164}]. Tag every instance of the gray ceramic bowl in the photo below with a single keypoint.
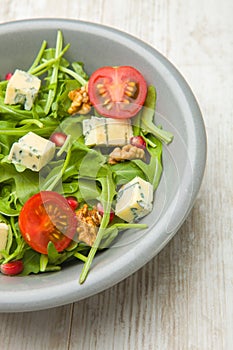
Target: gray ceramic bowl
[{"x": 184, "y": 159}]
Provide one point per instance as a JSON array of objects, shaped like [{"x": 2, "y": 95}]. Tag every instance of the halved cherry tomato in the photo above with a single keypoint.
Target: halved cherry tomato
[
  {"x": 72, "y": 201},
  {"x": 45, "y": 217},
  {"x": 138, "y": 141},
  {"x": 58, "y": 138},
  {"x": 8, "y": 76},
  {"x": 117, "y": 92},
  {"x": 12, "y": 268},
  {"x": 100, "y": 209}
]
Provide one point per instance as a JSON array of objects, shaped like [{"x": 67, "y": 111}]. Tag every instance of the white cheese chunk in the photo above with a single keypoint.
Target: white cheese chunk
[
  {"x": 32, "y": 151},
  {"x": 134, "y": 200},
  {"x": 3, "y": 236},
  {"x": 22, "y": 88},
  {"x": 107, "y": 131}
]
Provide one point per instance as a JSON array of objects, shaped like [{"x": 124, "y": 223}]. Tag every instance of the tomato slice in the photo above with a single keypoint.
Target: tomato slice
[
  {"x": 45, "y": 217},
  {"x": 117, "y": 92}
]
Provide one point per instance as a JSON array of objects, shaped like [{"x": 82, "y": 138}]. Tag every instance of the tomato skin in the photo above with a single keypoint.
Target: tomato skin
[
  {"x": 117, "y": 92},
  {"x": 72, "y": 201},
  {"x": 100, "y": 209},
  {"x": 12, "y": 268},
  {"x": 8, "y": 76},
  {"x": 58, "y": 138},
  {"x": 138, "y": 141},
  {"x": 45, "y": 217}
]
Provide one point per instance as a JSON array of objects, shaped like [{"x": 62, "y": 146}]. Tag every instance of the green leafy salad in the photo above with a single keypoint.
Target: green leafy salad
[{"x": 80, "y": 160}]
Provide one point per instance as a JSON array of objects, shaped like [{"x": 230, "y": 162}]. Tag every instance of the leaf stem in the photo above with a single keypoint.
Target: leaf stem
[
  {"x": 38, "y": 57},
  {"x": 21, "y": 131},
  {"x": 104, "y": 222},
  {"x": 126, "y": 226},
  {"x": 91, "y": 256},
  {"x": 13, "y": 111},
  {"x": 43, "y": 67},
  {"x": 80, "y": 257},
  {"x": 59, "y": 176},
  {"x": 31, "y": 121},
  {"x": 53, "y": 80},
  {"x": 73, "y": 74}
]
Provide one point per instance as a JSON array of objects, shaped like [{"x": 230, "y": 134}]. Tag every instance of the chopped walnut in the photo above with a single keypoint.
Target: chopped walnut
[
  {"x": 88, "y": 222},
  {"x": 80, "y": 101},
  {"x": 127, "y": 152}
]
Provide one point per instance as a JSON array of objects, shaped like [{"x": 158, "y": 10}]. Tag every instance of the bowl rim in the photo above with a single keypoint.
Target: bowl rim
[{"x": 18, "y": 301}]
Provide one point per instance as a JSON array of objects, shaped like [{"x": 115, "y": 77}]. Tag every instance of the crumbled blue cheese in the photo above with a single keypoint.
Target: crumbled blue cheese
[
  {"x": 32, "y": 151},
  {"x": 134, "y": 200},
  {"x": 107, "y": 131},
  {"x": 22, "y": 88},
  {"x": 3, "y": 236}
]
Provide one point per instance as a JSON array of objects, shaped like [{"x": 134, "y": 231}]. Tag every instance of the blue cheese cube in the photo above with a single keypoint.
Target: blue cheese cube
[
  {"x": 3, "y": 236},
  {"x": 32, "y": 151},
  {"x": 134, "y": 200},
  {"x": 107, "y": 131},
  {"x": 22, "y": 88}
]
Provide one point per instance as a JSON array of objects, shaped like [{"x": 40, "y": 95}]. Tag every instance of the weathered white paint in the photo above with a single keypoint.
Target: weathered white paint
[{"x": 182, "y": 299}]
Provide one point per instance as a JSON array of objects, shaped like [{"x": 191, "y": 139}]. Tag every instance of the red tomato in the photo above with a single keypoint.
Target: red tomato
[
  {"x": 117, "y": 92},
  {"x": 8, "y": 76},
  {"x": 12, "y": 268},
  {"x": 45, "y": 217},
  {"x": 138, "y": 141},
  {"x": 58, "y": 138},
  {"x": 72, "y": 201},
  {"x": 100, "y": 209}
]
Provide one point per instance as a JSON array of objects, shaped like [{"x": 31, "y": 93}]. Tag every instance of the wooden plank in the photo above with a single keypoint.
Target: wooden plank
[{"x": 48, "y": 329}]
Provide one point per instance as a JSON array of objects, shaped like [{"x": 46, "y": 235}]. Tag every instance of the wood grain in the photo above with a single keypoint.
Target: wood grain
[{"x": 182, "y": 299}]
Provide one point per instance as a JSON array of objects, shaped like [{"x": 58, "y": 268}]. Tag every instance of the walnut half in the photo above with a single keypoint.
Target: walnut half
[
  {"x": 127, "y": 152},
  {"x": 80, "y": 101},
  {"x": 88, "y": 222}
]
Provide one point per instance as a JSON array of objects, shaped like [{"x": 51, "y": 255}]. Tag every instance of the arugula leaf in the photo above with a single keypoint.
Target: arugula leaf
[
  {"x": 112, "y": 232},
  {"x": 62, "y": 101},
  {"x": 106, "y": 197},
  {"x": 78, "y": 67},
  {"x": 88, "y": 189},
  {"x": 152, "y": 170},
  {"x": 16, "y": 246},
  {"x": 16, "y": 188},
  {"x": 147, "y": 116},
  {"x": 125, "y": 172},
  {"x": 31, "y": 262}
]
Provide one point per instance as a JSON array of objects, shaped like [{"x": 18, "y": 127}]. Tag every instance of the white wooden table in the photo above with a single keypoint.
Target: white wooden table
[{"x": 183, "y": 298}]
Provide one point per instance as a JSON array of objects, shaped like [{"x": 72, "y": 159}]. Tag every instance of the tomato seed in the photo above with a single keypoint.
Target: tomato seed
[
  {"x": 128, "y": 93},
  {"x": 130, "y": 88},
  {"x": 106, "y": 102},
  {"x": 109, "y": 106},
  {"x": 102, "y": 90},
  {"x": 131, "y": 83}
]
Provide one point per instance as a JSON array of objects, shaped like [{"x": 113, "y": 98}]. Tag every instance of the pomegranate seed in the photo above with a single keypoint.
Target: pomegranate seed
[
  {"x": 72, "y": 201},
  {"x": 138, "y": 141},
  {"x": 100, "y": 209},
  {"x": 12, "y": 268},
  {"x": 58, "y": 138},
  {"x": 8, "y": 76}
]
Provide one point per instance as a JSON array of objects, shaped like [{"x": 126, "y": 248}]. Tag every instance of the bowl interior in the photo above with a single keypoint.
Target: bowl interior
[{"x": 184, "y": 159}]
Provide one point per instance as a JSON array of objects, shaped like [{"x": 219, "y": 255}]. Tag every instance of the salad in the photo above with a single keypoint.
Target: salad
[{"x": 80, "y": 160}]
